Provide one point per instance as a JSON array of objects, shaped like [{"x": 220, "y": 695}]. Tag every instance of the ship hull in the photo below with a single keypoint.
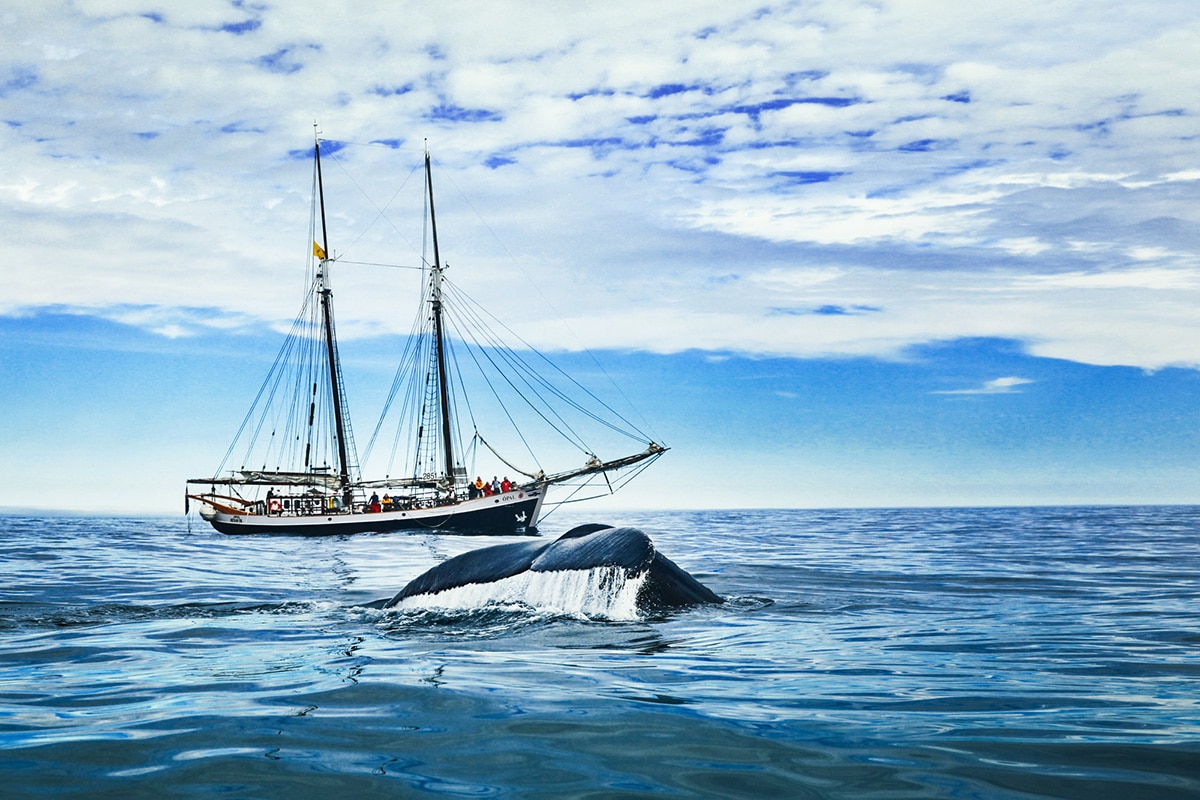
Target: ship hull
[{"x": 498, "y": 515}]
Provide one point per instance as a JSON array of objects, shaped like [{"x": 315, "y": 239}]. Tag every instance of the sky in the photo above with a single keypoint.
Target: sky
[{"x": 889, "y": 253}]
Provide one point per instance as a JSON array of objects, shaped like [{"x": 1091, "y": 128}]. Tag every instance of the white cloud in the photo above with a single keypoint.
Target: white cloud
[
  {"x": 1006, "y": 385},
  {"x": 981, "y": 170},
  {"x": 1158, "y": 279}
]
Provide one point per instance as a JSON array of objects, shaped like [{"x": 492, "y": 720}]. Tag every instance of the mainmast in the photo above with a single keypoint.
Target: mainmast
[
  {"x": 330, "y": 342},
  {"x": 438, "y": 337}
]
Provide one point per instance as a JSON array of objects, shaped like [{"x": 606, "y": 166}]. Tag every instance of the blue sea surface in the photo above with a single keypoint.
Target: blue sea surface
[{"x": 911, "y": 653}]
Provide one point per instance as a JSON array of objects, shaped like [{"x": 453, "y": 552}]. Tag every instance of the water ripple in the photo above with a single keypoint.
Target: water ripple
[{"x": 991, "y": 653}]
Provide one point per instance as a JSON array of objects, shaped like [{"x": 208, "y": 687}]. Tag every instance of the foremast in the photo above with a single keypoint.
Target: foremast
[
  {"x": 439, "y": 342},
  {"x": 331, "y": 352}
]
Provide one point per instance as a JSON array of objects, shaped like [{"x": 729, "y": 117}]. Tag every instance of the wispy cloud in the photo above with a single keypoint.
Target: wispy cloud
[
  {"x": 826, "y": 310},
  {"x": 1008, "y": 385},
  {"x": 915, "y": 161}
]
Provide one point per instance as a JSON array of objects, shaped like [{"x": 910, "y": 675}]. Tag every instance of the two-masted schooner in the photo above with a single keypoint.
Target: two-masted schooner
[{"x": 300, "y": 474}]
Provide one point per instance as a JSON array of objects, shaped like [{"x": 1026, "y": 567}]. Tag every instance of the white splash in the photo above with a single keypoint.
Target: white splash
[{"x": 603, "y": 592}]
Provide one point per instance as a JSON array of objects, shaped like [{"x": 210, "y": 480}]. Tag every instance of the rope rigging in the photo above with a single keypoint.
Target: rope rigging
[
  {"x": 508, "y": 376},
  {"x": 297, "y": 431}
]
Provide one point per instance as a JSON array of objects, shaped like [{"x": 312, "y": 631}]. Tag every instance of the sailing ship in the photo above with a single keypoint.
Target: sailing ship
[{"x": 300, "y": 474}]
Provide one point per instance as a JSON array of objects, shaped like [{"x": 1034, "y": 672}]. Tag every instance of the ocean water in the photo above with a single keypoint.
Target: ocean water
[{"x": 949, "y": 653}]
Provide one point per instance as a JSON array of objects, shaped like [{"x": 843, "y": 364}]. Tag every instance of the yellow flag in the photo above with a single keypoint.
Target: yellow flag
[{"x": 317, "y": 251}]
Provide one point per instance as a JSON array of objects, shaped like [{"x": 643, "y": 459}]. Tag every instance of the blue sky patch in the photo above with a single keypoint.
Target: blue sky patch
[
  {"x": 692, "y": 165},
  {"x": 754, "y": 109},
  {"x": 667, "y": 89},
  {"x": 19, "y": 78},
  {"x": 239, "y": 127},
  {"x": 606, "y": 141},
  {"x": 279, "y": 62},
  {"x": 967, "y": 166},
  {"x": 448, "y": 112},
  {"x": 1100, "y": 127},
  {"x": 240, "y": 28},
  {"x": 392, "y": 91},
  {"x": 495, "y": 162},
  {"x": 792, "y": 78},
  {"x": 708, "y": 137},
  {"x": 926, "y": 145},
  {"x": 328, "y": 148},
  {"x": 827, "y": 310},
  {"x": 591, "y": 93},
  {"x": 806, "y": 177}
]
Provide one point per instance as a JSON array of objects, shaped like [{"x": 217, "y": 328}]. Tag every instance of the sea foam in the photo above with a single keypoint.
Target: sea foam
[{"x": 602, "y": 592}]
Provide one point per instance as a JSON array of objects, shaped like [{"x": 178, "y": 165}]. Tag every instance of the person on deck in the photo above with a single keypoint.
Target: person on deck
[
  {"x": 487, "y": 490},
  {"x": 387, "y": 502},
  {"x": 505, "y": 485},
  {"x": 477, "y": 487},
  {"x": 495, "y": 485},
  {"x": 373, "y": 504}
]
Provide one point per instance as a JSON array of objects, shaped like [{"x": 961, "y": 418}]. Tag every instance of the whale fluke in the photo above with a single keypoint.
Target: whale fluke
[{"x": 584, "y": 548}]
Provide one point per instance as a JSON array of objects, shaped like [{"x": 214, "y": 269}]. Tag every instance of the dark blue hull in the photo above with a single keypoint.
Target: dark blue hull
[{"x": 504, "y": 515}]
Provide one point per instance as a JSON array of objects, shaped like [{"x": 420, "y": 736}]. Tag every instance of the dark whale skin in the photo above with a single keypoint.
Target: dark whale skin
[{"x": 582, "y": 548}]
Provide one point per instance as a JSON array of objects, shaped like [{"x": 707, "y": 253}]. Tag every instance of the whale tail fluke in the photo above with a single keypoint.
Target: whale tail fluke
[{"x": 584, "y": 549}]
